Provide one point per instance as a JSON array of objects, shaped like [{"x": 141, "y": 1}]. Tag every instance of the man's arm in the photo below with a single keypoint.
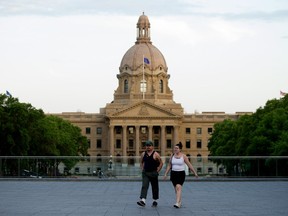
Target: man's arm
[
  {"x": 141, "y": 161},
  {"x": 160, "y": 162}
]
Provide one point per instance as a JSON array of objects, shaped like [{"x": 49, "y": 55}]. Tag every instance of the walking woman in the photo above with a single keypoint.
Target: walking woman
[{"x": 177, "y": 166}]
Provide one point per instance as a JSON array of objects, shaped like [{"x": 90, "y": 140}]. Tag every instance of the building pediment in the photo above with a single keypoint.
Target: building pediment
[{"x": 144, "y": 110}]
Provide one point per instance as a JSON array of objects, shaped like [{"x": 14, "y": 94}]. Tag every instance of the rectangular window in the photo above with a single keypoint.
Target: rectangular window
[
  {"x": 99, "y": 130},
  {"x": 156, "y": 143},
  {"x": 188, "y": 144},
  {"x": 143, "y": 143},
  {"x": 131, "y": 144},
  {"x": 169, "y": 143},
  {"x": 221, "y": 170},
  {"x": 131, "y": 130},
  {"x": 118, "y": 143},
  {"x": 156, "y": 130},
  {"x": 169, "y": 130},
  {"x": 199, "y": 143},
  {"x": 89, "y": 143},
  {"x": 77, "y": 170},
  {"x": 88, "y": 130},
  {"x": 199, "y": 131},
  {"x": 210, "y": 130},
  {"x": 143, "y": 130},
  {"x": 99, "y": 143},
  {"x": 118, "y": 130},
  {"x": 210, "y": 170},
  {"x": 188, "y": 131}
]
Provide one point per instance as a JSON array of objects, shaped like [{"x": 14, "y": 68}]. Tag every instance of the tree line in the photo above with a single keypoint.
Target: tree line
[
  {"x": 27, "y": 131},
  {"x": 263, "y": 133}
]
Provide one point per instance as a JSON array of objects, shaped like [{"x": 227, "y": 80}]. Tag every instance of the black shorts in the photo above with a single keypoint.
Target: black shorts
[{"x": 177, "y": 177}]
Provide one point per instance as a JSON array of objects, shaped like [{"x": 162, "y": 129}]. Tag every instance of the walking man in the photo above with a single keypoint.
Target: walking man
[{"x": 151, "y": 164}]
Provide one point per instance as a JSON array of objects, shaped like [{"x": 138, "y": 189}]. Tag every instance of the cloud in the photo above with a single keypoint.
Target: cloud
[
  {"x": 201, "y": 8},
  {"x": 258, "y": 15},
  {"x": 229, "y": 31},
  {"x": 76, "y": 7}
]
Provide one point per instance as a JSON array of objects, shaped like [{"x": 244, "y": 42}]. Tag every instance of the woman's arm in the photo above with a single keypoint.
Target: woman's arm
[
  {"x": 186, "y": 160},
  {"x": 168, "y": 168}
]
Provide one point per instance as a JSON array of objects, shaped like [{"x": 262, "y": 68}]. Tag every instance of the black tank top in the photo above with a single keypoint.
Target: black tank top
[{"x": 150, "y": 164}]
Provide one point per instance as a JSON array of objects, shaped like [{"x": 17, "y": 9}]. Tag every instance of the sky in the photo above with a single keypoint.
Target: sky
[{"x": 222, "y": 55}]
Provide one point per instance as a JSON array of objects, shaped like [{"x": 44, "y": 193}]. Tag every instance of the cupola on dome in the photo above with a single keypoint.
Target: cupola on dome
[{"x": 143, "y": 48}]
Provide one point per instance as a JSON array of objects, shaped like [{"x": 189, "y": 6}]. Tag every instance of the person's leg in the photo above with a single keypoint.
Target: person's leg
[
  {"x": 144, "y": 190},
  {"x": 145, "y": 186},
  {"x": 178, "y": 190},
  {"x": 155, "y": 186}
]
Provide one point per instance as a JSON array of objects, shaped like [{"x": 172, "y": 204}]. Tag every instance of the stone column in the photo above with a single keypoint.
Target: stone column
[
  {"x": 124, "y": 140},
  {"x": 176, "y": 135},
  {"x": 137, "y": 146},
  {"x": 163, "y": 140},
  {"x": 150, "y": 132},
  {"x": 111, "y": 135}
]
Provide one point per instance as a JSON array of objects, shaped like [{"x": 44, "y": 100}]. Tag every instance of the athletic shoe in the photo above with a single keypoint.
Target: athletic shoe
[
  {"x": 141, "y": 203},
  {"x": 176, "y": 205},
  {"x": 154, "y": 204}
]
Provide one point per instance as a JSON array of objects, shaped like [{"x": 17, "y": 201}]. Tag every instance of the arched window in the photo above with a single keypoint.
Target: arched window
[
  {"x": 126, "y": 86},
  {"x": 161, "y": 86}
]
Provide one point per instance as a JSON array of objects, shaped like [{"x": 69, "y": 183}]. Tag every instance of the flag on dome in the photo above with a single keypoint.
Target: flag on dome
[
  {"x": 146, "y": 60},
  {"x": 282, "y": 93}
]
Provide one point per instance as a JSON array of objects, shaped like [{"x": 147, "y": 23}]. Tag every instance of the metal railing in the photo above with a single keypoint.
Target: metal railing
[{"x": 117, "y": 166}]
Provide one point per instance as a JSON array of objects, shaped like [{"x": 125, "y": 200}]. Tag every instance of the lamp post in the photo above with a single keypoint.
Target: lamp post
[{"x": 110, "y": 163}]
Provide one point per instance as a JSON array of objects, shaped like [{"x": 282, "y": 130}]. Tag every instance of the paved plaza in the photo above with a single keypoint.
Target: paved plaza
[{"x": 115, "y": 198}]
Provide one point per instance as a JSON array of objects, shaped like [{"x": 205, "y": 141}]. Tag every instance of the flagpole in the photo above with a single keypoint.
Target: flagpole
[{"x": 143, "y": 91}]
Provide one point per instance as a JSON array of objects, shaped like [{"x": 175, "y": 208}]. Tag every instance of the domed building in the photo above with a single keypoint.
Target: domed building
[
  {"x": 143, "y": 106},
  {"x": 143, "y": 109},
  {"x": 143, "y": 71}
]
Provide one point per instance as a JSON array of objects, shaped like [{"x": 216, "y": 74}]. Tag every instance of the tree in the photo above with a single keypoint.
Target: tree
[
  {"x": 16, "y": 120},
  {"x": 26, "y": 131},
  {"x": 264, "y": 133}
]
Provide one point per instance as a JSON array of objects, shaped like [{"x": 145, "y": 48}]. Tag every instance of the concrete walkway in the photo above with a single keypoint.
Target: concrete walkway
[{"x": 114, "y": 198}]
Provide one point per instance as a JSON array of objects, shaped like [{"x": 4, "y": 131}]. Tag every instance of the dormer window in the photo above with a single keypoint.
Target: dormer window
[
  {"x": 126, "y": 86},
  {"x": 161, "y": 86}
]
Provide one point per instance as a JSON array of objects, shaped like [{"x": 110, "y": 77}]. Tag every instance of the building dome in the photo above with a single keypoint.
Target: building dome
[
  {"x": 143, "y": 48},
  {"x": 143, "y": 72},
  {"x": 133, "y": 58}
]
